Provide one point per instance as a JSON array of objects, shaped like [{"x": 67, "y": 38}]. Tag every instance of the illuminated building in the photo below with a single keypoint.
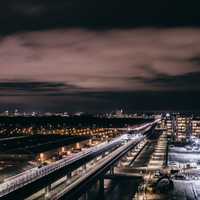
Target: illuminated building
[
  {"x": 182, "y": 127},
  {"x": 196, "y": 127}
]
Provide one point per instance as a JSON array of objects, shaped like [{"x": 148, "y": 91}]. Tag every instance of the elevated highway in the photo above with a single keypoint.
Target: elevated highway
[{"x": 37, "y": 178}]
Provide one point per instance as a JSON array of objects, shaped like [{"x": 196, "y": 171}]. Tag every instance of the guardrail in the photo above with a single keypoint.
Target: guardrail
[
  {"x": 34, "y": 174},
  {"x": 99, "y": 166}
]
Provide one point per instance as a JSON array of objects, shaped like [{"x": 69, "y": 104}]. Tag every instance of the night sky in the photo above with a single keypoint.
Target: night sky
[{"x": 99, "y": 55}]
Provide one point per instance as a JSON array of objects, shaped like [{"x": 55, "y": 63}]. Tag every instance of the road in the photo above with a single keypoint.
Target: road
[
  {"x": 186, "y": 190},
  {"x": 31, "y": 175},
  {"x": 98, "y": 167},
  {"x": 36, "y": 173}
]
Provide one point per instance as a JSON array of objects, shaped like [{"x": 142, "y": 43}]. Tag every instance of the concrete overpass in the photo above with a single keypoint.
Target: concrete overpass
[{"x": 23, "y": 184}]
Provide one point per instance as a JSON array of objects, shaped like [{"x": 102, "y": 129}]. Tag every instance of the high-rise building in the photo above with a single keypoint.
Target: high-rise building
[
  {"x": 196, "y": 127},
  {"x": 183, "y": 127}
]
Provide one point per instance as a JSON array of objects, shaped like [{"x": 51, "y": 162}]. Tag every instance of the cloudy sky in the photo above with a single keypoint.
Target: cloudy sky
[{"x": 99, "y": 55}]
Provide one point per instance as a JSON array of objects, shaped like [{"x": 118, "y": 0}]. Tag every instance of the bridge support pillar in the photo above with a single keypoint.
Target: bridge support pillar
[
  {"x": 112, "y": 170},
  {"x": 119, "y": 164},
  {"x": 85, "y": 196},
  {"x": 84, "y": 167},
  {"x": 101, "y": 188},
  {"x": 47, "y": 192},
  {"x": 69, "y": 174},
  {"x": 68, "y": 177}
]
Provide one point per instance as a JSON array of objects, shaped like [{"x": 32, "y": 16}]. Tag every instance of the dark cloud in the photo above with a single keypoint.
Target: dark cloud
[
  {"x": 188, "y": 81},
  {"x": 100, "y": 61},
  {"x": 26, "y": 8},
  {"x": 195, "y": 60},
  {"x": 34, "y": 14},
  {"x": 150, "y": 70},
  {"x": 79, "y": 69},
  {"x": 34, "y": 88}
]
